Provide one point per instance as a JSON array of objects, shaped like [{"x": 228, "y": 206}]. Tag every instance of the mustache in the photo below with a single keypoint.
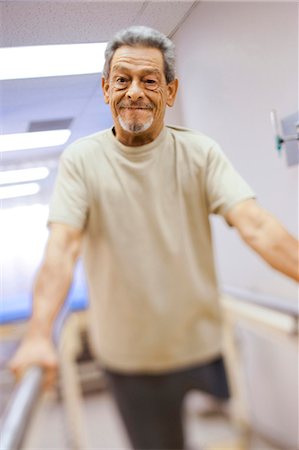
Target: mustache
[{"x": 135, "y": 105}]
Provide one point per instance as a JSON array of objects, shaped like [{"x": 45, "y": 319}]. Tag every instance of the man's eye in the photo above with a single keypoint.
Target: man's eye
[
  {"x": 150, "y": 83},
  {"x": 121, "y": 80}
]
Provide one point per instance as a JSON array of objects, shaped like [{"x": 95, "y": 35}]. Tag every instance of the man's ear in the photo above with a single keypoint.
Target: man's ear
[
  {"x": 105, "y": 89},
  {"x": 172, "y": 89}
]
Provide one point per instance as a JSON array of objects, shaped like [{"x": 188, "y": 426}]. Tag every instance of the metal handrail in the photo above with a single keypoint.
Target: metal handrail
[
  {"x": 266, "y": 301},
  {"x": 18, "y": 413},
  {"x": 20, "y": 409}
]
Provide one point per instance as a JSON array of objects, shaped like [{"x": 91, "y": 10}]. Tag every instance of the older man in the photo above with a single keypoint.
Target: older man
[{"x": 137, "y": 198}]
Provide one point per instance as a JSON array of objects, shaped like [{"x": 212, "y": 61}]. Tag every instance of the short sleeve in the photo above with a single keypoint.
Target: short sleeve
[
  {"x": 69, "y": 202},
  {"x": 224, "y": 186}
]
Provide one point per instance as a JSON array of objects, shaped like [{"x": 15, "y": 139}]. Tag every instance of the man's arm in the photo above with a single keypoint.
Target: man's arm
[
  {"x": 50, "y": 290},
  {"x": 54, "y": 278},
  {"x": 264, "y": 234}
]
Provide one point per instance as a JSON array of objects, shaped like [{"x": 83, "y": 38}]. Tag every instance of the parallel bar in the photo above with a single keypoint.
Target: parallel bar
[
  {"x": 20, "y": 408},
  {"x": 266, "y": 301},
  {"x": 16, "y": 418}
]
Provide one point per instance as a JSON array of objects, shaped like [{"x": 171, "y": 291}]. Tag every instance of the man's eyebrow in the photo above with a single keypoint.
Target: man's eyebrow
[
  {"x": 145, "y": 71},
  {"x": 149, "y": 71}
]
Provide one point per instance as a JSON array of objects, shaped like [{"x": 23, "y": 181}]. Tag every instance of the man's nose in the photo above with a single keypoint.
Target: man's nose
[{"x": 135, "y": 91}]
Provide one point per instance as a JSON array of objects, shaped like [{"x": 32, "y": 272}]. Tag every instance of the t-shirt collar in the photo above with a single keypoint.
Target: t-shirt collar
[{"x": 141, "y": 151}]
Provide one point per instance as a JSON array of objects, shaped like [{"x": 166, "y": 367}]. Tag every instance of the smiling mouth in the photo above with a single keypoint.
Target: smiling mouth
[
  {"x": 134, "y": 107},
  {"x": 143, "y": 106}
]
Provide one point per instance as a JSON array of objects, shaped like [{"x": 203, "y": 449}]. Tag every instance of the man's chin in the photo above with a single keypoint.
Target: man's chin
[{"x": 133, "y": 126}]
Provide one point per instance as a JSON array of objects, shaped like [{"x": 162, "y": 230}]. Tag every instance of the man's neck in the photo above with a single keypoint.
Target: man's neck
[{"x": 138, "y": 139}]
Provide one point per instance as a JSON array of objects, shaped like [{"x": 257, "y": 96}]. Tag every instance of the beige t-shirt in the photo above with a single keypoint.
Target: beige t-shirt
[{"x": 147, "y": 249}]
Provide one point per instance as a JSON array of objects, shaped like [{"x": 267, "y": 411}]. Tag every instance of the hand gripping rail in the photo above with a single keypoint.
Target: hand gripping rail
[{"x": 16, "y": 418}]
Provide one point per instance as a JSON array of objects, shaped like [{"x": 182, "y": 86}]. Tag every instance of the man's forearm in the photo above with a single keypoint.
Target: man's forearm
[
  {"x": 266, "y": 236},
  {"x": 277, "y": 247},
  {"x": 54, "y": 278},
  {"x": 284, "y": 257},
  {"x": 49, "y": 293}
]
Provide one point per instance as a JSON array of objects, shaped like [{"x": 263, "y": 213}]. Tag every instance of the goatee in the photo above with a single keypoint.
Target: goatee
[{"x": 134, "y": 126}]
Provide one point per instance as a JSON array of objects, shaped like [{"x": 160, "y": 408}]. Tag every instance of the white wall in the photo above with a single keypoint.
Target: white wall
[{"x": 235, "y": 62}]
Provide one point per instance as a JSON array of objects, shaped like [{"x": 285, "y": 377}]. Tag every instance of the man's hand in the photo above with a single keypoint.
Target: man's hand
[{"x": 36, "y": 351}]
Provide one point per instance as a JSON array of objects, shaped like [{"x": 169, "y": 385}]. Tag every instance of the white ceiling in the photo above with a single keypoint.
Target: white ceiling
[
  {"x": 67, "y": 22},
  {"x": 78, "y": 97}
]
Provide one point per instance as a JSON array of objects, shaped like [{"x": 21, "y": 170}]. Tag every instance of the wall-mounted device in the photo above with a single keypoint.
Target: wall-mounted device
[{"x": 286, "y": 133}]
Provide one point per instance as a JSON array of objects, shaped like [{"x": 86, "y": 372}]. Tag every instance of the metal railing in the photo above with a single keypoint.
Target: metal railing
[
  {"x": 16, "y": 418},
  {"x": 264, "y": 300},
  {"x": 20, "y": 410}
]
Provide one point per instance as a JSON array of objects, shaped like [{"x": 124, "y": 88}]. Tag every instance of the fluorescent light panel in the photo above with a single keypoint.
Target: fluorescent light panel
[
  {"x": 23, "y": 175},
  {"x": 34, "y": 139},
  {"x": 51, "y": 60},
  {"x": 18, "y": 190}
]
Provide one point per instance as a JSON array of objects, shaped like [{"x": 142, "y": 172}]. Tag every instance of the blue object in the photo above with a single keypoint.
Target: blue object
[{"x": 19, "y": 308}]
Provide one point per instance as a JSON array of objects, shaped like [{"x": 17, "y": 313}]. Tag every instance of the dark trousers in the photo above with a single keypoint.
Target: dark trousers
[{"x": 151, "y": 405}]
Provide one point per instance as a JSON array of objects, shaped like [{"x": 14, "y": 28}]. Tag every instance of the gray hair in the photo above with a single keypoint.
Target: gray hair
[{"x": 147, "y": 37}]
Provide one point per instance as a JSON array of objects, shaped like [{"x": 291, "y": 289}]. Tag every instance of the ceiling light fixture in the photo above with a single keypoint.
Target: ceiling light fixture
[
  {"x": 23, "y": 175},
  {"x": 51, "y": 60},
  {"x": 33, "y": 139},
  {"x": 18, "y": 190}
]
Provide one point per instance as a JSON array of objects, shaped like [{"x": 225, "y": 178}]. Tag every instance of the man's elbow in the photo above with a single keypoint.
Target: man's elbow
[
  {"x": 257, "y": 228},
  {"x": 250, "y": 220}
]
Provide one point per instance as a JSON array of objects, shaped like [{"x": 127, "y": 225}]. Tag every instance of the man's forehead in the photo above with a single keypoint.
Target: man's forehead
[{"x": 149, "y": 58}]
